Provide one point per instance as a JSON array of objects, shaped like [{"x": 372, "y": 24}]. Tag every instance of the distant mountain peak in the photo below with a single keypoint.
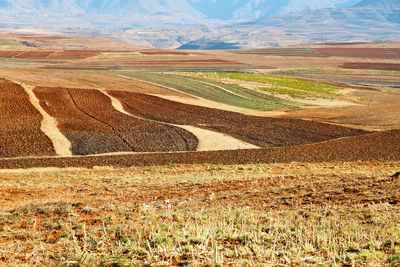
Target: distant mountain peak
[{"x": 379, "y": 4}]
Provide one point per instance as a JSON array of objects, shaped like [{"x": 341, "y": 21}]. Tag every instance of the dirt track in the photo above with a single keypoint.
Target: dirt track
[{"x": 20, "y": 124}]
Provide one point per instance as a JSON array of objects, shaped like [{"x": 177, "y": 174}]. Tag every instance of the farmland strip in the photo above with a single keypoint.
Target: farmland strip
[
  {"x": 95, "y": 127},
  {"x": 20, "y": 123},
  {"x": 259, "y": 131},
  {"x": 380, "y": 146},
  {"x": 87, "y": 136},
  {"x": 207, "y": 140}
]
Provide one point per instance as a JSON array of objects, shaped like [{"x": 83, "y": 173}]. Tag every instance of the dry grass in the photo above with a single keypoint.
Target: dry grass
[{"x": 248, "y": 215}]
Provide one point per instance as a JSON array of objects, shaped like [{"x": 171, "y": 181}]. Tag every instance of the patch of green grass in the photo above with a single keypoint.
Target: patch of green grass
[
  {"x": 233, "y": 95},
  {"x": 7, "y": 42},
  {"x": 278, "y": 81},
  {"x": 290, "y": 92},
  {"x": 334, "y": 71},
  {"x": 311, "y": 71}
]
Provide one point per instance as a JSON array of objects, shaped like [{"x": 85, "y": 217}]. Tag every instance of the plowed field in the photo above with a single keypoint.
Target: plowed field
[
  {"x": 381, "y": 146},
  {"x": 34, "y": 54},
  {"x": 260, "y": 131},
  {"x": 89, "y": 121},
  {"x": 20, "y": 122},
  {"x": 73, "y": 54},
  {"x": 9, "y": 54},
  {"x": 387, "y": 53},
  {"x": 164, "y": 52},
  {"x": 371, "y": 66},
  {"x": 61, "y": 55}
]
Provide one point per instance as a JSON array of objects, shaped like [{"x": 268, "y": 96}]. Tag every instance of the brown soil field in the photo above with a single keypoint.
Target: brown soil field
[
  {"x": 84, "y": 79},
  {"x": 259, "y": 131},
  {"x": 38, "y": 37},
  {"x": 92, "y": 125},
  {"x": 61, "y": 55},
  {"x": 73, "y": 54},
  {"x": 9, "y": 54},
  {"x": 164, "y": 52},
  {"x": 187, "y": 61},
  {"x": 20, "y": 133},
  {"x": 384, "y": 53},
  {"x": 34, "y": 54},
  {"x": 371, "y": 66},
  {"x": 380, "y": 146}
]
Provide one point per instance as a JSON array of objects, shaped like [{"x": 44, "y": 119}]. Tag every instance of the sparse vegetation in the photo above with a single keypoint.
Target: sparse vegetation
[
  {"x": 7, "y": 42},
  {"x": 290, "y": 92},
  {"x": 264, "y": 215},
  {"x": 228, "y": 94},
  {"x": 277, "y": 81}
]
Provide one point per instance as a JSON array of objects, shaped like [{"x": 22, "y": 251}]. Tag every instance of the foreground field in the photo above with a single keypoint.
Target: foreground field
[{"x": 252, "y": 215}]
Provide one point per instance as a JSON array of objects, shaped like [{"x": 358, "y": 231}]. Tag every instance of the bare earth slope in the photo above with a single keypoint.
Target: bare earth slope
[
  {"x": 20, "y": 123},
  {"x": 93, "y": 126}
]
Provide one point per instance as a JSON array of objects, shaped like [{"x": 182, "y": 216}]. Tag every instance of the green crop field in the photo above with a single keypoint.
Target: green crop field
[
  {"x": 285, "y": 84},
  {"x": 7, "y": 42},
  {"x": 229, "y": 94}
]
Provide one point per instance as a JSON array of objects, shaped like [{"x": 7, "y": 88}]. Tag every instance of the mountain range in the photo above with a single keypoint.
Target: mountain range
[{"x": 209, "y": 24}]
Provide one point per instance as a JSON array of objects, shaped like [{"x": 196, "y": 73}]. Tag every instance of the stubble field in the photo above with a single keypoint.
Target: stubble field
[{"x": 338, "y": 214}]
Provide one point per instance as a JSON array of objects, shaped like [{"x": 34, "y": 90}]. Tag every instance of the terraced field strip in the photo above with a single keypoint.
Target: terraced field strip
[
  {"x": 207, "y": 140},
  {"x": 297, "y": 88},
  {"x": 384, "y": 53},
  {"x": 89, "y": 120},
  {"x": 278, "y": 52},
  {"x": 258, "y": 131},
  {"x": 371, "y": 66},
  {"x": 61, "y": 55},
  {"x": 20, "y": 124},
  {"x": 239, "y": 97},
  {"x": 61, "y": 144},
  {"x": 34, "y": 54},
  {"x": 380, "y": 146}
]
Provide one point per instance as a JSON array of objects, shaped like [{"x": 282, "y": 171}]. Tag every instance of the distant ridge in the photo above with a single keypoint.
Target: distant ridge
[{"x": 387, "y": 4}]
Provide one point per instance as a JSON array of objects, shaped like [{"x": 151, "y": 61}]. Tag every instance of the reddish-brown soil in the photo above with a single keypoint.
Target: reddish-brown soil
[
  {"x": 20, "y": 133},
  {"x": 62, "y": 55},
  {"x": 183, "y": 61},
  {"x": 34, "y": 54},
  {"x": 380, "y": 146},
  {"x": 371, "y": 66},
  {"x": 164, "y": 52},
  {"x": 39, "y": 37},
  {"x": 73, "y": 54},
  {"x": 386, "y": 53},
  {"x": 89, "y": 121},
  {"x": 260, "y": 131},
  {"x": 84, "y": 79},
  {"x": 9, "y": 54}
]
